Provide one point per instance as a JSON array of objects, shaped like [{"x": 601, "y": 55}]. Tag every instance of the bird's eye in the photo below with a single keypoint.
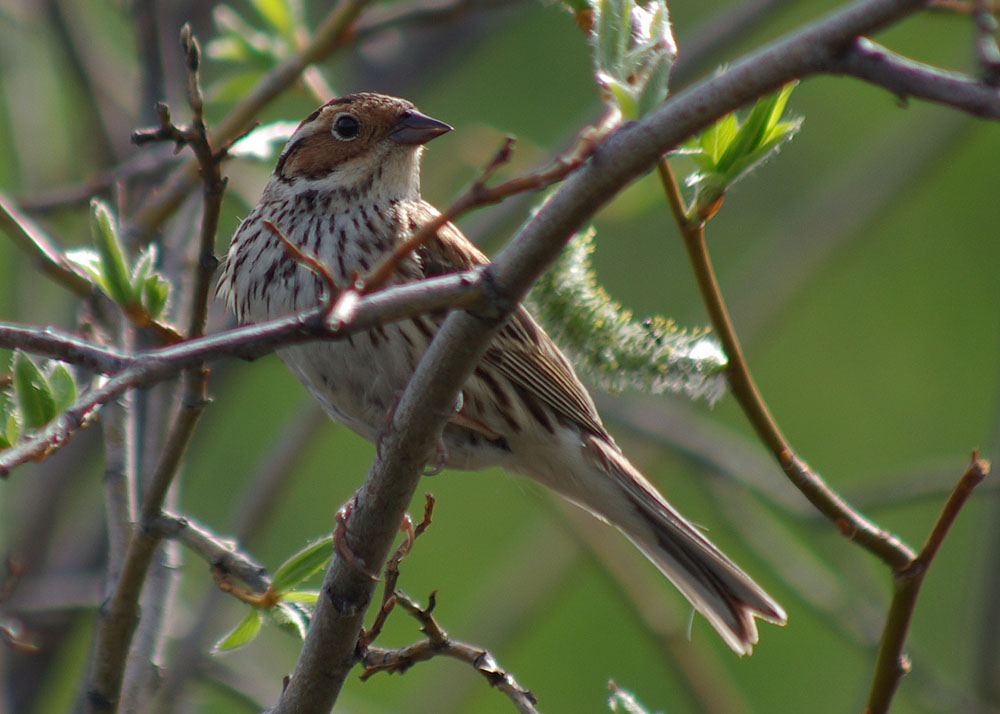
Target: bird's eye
[{"x": 346, "y": 127}]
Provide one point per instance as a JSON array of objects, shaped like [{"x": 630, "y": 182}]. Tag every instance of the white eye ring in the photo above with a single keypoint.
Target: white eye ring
[{"x": 345, "y": 126}]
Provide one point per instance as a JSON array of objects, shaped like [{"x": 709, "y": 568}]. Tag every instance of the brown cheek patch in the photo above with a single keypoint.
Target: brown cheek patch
[{"x": 316, "y": 156}]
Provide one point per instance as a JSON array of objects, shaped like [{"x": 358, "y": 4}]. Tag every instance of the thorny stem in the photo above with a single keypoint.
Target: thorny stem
[{"x": 850, "y": 522}]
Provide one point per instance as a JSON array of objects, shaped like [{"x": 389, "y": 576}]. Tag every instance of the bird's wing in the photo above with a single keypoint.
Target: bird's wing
[{"x": 522, "y": 351}]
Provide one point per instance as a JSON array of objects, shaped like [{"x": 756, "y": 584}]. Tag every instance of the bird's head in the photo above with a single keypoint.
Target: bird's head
[{"x": 358, "y": 143}]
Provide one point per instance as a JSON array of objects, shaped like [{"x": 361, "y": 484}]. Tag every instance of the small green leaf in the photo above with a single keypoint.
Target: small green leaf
[
  {"x": 114, "y": 268},
  {"x": 307, "y": 597},
  {"x": 13, "y": 428},
  {"x": 6, "y": 417},
  {"x": 243, "y": 633},
  {"x": 143, "y": 267},
  {"x": 155, "y": 292},
  {"x": 261, "y": 48},
  {"x": 63, "y": 386},
  {"x": 88, "y": 260},
  {"x": 303, "y": 565},
  {"x": 34, "y": 394},
  {"x": 277, "y": 14},
  {"x": 290, "y": 616}
]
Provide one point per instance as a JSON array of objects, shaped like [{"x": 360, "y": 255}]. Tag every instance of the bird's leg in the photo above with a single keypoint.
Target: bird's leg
[{"x": 340, "y": 539}]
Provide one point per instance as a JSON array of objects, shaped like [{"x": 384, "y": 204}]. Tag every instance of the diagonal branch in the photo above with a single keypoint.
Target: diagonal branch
[
  {"x": 439, "y": 644},
  {"x": 905, "y": 77},
  {"x": 147, "y": 368},
  {"x": 851, "y": 523},
  {"x": 331, "y": 34},
  {"x": 30, "y": 238},
  {"x": 891, "y": 664}
]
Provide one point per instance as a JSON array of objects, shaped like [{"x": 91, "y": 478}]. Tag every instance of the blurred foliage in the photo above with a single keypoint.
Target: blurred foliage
[{"x": 859, "y": 268}]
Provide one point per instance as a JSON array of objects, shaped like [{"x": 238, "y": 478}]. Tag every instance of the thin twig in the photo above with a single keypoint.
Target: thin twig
[
  {"x": 849, "y": 521},
  {"x": 252, "y": 341},
  {"x": 331, "y": 34},
  {"x": 878, "y": 65},
  {"x": 392, "y": 573},
  {"x": 438, "y": 643},
  {"x": 56, "y": 344},
  {"x": 221, "y": 554},
  {"x": 46, "y": 257},
  {"x": 891, "y": 664},
  {"x": 479, "y": 194}
]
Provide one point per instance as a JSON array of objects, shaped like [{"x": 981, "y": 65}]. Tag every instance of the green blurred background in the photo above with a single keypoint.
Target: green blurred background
[{"x": 860, "y": 265}]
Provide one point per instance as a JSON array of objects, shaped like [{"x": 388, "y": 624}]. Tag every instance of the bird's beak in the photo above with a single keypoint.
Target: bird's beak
[{"x": 417, "y": 128}]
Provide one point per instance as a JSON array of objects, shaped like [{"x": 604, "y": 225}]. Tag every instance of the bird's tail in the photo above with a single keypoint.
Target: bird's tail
[{"x": 727, "y": 597}]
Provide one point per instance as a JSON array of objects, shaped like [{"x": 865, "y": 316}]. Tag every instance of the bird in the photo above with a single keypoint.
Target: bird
[{"x": 346, "y": 191}]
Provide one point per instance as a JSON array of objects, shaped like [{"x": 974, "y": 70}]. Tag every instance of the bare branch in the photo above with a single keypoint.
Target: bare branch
[
  {"x": 479, "y": 194},
  {"x": 329, "y": 36},
  {"x": 56, "y": 344},
  {"x": 396, "y": 303},
  {"x": 221, "y": 554},
  {"x": 31, "y": 239},
  {"x": 891, "y": 663},
  {"x": 905, "y": 78},
  {"x": 438, "y": 643},
  {"x": 851, "y": 523}
]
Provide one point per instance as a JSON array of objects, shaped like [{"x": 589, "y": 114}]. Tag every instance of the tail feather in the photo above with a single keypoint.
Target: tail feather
[{"x": 718, "y": 588}]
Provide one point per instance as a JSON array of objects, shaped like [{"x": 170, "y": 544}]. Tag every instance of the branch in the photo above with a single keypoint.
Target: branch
[
  {"x": 147, "y": 368},
  {"x": 222, "y": 555},
  {"x": 63, "y": 346},
  {"x": 327, "y": 655},
  {"x": 377, "y": 659},
  {"x": 31, "y": 239},
  {"x": 330, "y": 35},
  {"x": 904, "y": 77},
  {"x": 479, "y": 194},
  {"x": 849, "y": 521},
  {"x": 891, "y": 663}
]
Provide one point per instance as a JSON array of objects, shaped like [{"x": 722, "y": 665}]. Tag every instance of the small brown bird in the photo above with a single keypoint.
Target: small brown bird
[{"x": 346, "y": 190}]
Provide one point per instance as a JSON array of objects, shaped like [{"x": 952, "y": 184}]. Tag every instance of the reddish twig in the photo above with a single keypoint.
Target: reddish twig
[
  {"x": 340, "y": 541},
  {"x": 392, "y": 573},
  {"x": 438, "y": 643},
  {"x": 891, "y": 663},
  {"x": 850, "y": 522},
  {"x": 479, "y": 194}
]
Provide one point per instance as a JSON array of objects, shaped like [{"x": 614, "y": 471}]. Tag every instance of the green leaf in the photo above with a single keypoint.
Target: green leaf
[
  {"x": 303, "y": 565},
  {"x": 307, "y": 597},
  {"x": 88, "y": 260},
  {"x": 6, "y": 416},
  {"x": 143, "y": 268},
  {"x": 633, "y": 52},
  {"x": 243, "y": 633},
  {"x": 113, "y": 266},
  {"x": 13, "y": 429},
  {"x": 290, "y": 616},
  {"x": 277, "y": 14},
  {"x": 244, "y": 41},
  {"x": 34, "y": 394},
  {"x": 155, "y": 292},
  {"x": 63, "y": 386}
]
